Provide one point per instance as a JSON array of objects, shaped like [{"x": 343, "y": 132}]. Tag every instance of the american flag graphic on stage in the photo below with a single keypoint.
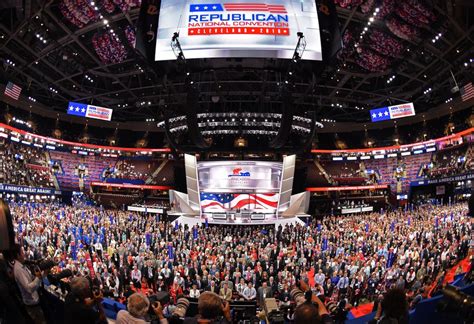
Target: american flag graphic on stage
[
  {"x": 227, "y": 201},
  {"x": 12, "y": 90},
  {"x": 467, "y": 92}
]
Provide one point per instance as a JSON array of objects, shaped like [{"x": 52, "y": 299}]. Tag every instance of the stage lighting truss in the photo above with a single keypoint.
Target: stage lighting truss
[{"x": 248, "y": 123}]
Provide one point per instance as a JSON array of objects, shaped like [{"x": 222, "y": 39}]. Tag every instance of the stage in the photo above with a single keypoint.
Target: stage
[{"x": 199, "y": 220}]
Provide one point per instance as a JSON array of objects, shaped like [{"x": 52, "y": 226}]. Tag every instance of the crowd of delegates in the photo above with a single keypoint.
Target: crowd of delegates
[
  {"x": 450, "y": 162},
  {"x": 128, "y": 170},
  {"x": 349, "y": 258},
  {"x": 29, "y": 165}
]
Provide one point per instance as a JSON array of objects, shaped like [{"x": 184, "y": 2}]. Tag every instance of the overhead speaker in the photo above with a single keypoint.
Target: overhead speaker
[
  {"x": 286, "y": 121},
  {"x": 168, "y": 135},
  {"x": 192, "y": 106},
  {"x": 7, "y": 235},
  {"x": 312, "y": 134}
]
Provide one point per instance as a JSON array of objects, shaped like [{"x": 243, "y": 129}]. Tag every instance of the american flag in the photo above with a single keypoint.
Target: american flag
[
  {"x": 217, "y": 7},
  {"x": 12, "y": 90},
  {"x": 221, "y": 202},
  {"x": 467, "y": 92},
  {"x": 262, "y": 7}
]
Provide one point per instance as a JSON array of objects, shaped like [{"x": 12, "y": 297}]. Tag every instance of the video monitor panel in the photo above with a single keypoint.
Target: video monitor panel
[
  {"x": 239, "y": 185},
  {"x": 238, "y": 28}
]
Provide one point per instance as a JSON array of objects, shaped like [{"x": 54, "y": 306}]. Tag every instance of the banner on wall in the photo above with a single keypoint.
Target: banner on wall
[
  {"x": 28, "y": 190},
  {"x": 392, "y": 112},
  {"x": 462, "y": 177},
  {"x": 89, "y": 111}
]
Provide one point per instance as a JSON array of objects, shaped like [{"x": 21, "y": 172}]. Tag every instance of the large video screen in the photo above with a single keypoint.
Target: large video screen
[
  {"x": 239, "y": 185},
  {"x": 238, "y": 28}
]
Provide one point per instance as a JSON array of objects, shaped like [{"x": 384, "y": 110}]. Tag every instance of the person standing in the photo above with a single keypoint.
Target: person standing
[
  {"x": 250, "y": 293},
  {"x": 137, "y": 277},
  {"x": 28, "y": 285},
  {"x": 225, "y": 292}
]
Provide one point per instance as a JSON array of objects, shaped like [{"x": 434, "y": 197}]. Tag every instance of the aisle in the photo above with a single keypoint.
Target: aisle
[{"x": 451, "y": 272}]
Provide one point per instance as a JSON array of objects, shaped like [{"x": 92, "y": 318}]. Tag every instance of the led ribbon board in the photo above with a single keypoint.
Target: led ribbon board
[
  {"x": 89, "y": 111},
  {"x": 245, "y": 28},
  {"x": 392, "y": 112}
]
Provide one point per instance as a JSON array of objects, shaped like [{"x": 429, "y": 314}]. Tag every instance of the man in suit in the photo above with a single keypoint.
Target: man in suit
[
  {"x": 240, "y": 287},
  {"x": 149, "y": 273},
  {"x": 279, "y": 264},
  {"x": 264, "y": 292},
  {"x": 213, "y": 288},
  {"x": 273, "y": 285},
  {"x": 229, "y": 283},
  {"x": 225, "y": 292},
  {"x": 198, "y": 283}
]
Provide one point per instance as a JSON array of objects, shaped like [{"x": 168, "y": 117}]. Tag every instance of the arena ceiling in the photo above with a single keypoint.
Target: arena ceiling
[{"x": 55, "y": 61}]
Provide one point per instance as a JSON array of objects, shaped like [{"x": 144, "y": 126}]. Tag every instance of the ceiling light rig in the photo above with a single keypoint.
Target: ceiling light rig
[
  {"x": 105, "y": 21},
  {"x": 142, "y": 103},
  {"x": 10, "y": 62},
  {"x": 139, "y": 68},
  {"x": 436, "y": 38},
  {"x": 427, "y": 91},
  {"x": 391, "y": 79},
  {"x": 41, "y": 38},
  {"x": 449, "y": 100},
  {"x": 53, "y": 90},
  {"x": 32, "y": 99},
  {"x": 366, "y": 29},
  {"x": 89, "y": 78}
]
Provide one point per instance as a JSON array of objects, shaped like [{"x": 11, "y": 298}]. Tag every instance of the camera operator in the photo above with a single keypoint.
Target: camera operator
[
  {"x": 312, "y": 311},
  {"x": 137, "y": 307},
  {"x": 82, "y": 306},
  {"x": 212, "y": 309},
  {"x": 28, "y": 284},
  {"x": 392, "y": 309},
  {"x": 11, "y": 309}
]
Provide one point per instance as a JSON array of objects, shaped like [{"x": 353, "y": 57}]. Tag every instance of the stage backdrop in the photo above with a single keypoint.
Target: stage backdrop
[
  {"x": 245, "y": 185},
  {"x": 238, "y": 28}
]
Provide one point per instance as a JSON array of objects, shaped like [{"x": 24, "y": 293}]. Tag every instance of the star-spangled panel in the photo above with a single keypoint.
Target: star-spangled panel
[
  {"x": 380, "y": 114},
  {"x": 77, "y": 109},
  {"x": 205, "y": 7}
]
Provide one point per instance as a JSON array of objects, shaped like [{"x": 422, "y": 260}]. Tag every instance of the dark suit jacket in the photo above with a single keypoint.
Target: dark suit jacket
[{"x": 214, "y": 289}]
